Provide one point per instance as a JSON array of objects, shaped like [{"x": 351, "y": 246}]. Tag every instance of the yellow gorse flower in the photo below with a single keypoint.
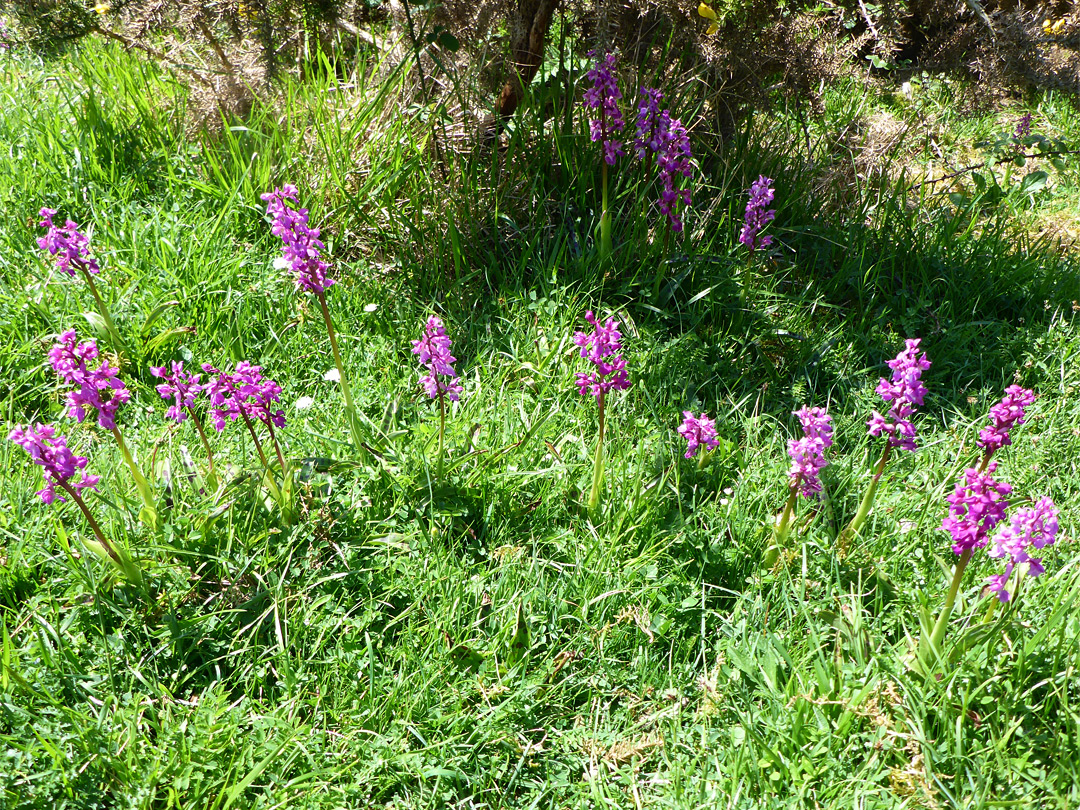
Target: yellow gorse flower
[
  {"x": 707, "y": 12},
  {"x": 1057, "y": 28}
]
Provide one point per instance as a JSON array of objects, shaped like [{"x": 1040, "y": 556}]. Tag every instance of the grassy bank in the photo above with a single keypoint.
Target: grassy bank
[{"x": 374, "y": 652}]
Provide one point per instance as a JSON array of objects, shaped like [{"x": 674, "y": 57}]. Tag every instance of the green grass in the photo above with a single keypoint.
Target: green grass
[{"x": 363, "y": 657}]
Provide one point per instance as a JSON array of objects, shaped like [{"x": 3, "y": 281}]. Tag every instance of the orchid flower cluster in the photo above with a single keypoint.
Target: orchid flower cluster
[
  {"x": 302, "y": 252},
  {"x": 1032, "y": 527},
  {"x": 978, "y": 504},
  {"x": 71, "y": 249},
  {"x": 657, "y": 134},
  {"x": 1023, "y": 129},
  {"x": 758, "y": 215},
  {"x": 98, "y": 390},
  {"x": 604, "y": 97},
  {"x": 67, "y": 243},
  {"x": 649, "y": 125},
  {"x": 60, "y": 465},
  {"x": 602, "y": 347},
  {"x": 184, "y": 389},
  {"x": 807, "y": 456},
  {"x": 179, "y": 386},
  {"x": 246, "y": 395},
  {"x": 666, "y": 138},
  {"x": 433, "y": 349},
  {"x": 698, "y": 430},
  {"x": 903, "y": 393},
  {"x": 302, "y": 256},
  {"x": 808, "y": 453},
  {"x": 1005, "y": 414},
  {"x": 243, "y": 393}
]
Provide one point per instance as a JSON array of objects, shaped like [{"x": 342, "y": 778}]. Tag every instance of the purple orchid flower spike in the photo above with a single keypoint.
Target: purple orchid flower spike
[
  {"x": 1035, "y": 527},
  {"x": 808, "y": 453},
  {"x": 67, "y": 243},
  {"x": 905, "y": 391},
  {"x": 1007, "y": 413},
  {"x": 603, "y": 348},
  {"x": 698, "y": 430},
  {"x": 60, "y": 465},
  {"x": 758, "y": 214},
  {"x": 179, "y": 386},
  {"x": 433, "y": 349},
  {"x": 604, "y": 96},
  {"x": 302, "y": 252},
  {"x": 98, "y": 390}
]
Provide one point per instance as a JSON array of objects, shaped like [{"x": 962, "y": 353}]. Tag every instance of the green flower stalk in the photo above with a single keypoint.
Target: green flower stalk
[
  {"x": 346, "y": 392},
  {"x": 605, "y": 215},
  {"x": 302, "y": 257},
  {"x": 866, "y": 504},
  {"x": 603, "y": 348},
  {"x": 60, "y": 466},
  {"x": 804, "y": 478},
  {"x": 603, "y": 96},
  {"x": 439, "y": 379},
  {"x": 905, "y": 391},
  {"x": 598, "y": 460},
  {"x": 71, "y": 249},
  {"x": 100, "y": 391}
]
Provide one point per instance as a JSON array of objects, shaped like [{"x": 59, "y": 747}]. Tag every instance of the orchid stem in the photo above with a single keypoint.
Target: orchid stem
[
  {"x": 103, "y": 310},
  {"x": 205, "y": 441},
  {"x": 255, "y": 438},
  {"x": 605, "y": 214},
  {"x": 598, "y": 461},
  {"x": 346, "y": 392},
  {"x": 746, "y": 279},
  {"x": 277, "y": 448},
  {"x": 865, "y": 506},
  {"x": 94, "y": 526},
  {"x": 442, "y": 427},
  {"x": 661, "y": 271},
  {"x": 937, "y": 635}
]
